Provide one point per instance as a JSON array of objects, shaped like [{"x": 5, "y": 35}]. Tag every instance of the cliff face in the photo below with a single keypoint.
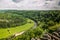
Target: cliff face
[
  {"x": 53, "y": 36},
  {"x": 49, "y": 36}
]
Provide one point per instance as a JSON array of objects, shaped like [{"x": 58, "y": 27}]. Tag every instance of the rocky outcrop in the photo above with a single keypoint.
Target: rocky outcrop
[{"x": 50, "y": 36}]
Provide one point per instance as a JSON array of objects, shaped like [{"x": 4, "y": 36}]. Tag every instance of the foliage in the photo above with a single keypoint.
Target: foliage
[
  {"x": 46, "y": 20},
  {"x": 7, "y": 32},
  {"x": 11, "y": 20}
]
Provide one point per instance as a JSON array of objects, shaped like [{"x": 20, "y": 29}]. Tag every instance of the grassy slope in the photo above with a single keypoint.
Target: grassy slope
[
  {"x": 4, "y": 33},
  {"x": 55, "y": 27}
]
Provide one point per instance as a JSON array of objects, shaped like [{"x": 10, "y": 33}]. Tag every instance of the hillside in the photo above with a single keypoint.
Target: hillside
[
  {"x": 10, "y": 24},
  {"x": 47, "y": 23}
]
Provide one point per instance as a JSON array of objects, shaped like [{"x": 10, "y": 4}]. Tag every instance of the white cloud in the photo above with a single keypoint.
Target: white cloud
[{"x": 28, "y": 4}]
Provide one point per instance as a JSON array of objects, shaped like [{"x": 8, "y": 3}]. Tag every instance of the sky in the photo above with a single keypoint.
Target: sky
[{"x": 29, "y": 4}]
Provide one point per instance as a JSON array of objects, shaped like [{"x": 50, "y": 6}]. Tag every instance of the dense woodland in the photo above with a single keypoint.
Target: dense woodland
[
  {"x": 47, "y": 22},
  {"x": 11, "y": 20}
]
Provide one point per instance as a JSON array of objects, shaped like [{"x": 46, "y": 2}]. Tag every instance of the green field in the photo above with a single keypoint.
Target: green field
[
  {"x": 4, "y": 32},
  {"x": 55, "y": 27}
]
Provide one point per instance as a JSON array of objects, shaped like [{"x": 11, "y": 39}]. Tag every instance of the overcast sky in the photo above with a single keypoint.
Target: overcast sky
[{"x": 29, "y": 4}]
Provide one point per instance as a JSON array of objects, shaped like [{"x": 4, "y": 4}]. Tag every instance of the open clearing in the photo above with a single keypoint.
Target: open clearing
[{"x": 4, "y": 33}]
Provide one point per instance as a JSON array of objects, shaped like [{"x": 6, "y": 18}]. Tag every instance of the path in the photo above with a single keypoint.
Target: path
[{"x": 17, "y": 34}]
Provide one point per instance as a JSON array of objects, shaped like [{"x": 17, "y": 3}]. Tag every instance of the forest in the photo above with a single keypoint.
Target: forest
[
  {"x": 47, "y": 21},
  {"x": 11, "y": 20}
]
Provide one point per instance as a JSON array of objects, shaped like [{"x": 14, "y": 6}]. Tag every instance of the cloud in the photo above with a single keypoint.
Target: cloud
[
  {"x": 17, "y": 1},
  {"x": 28, "y": 4}
]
